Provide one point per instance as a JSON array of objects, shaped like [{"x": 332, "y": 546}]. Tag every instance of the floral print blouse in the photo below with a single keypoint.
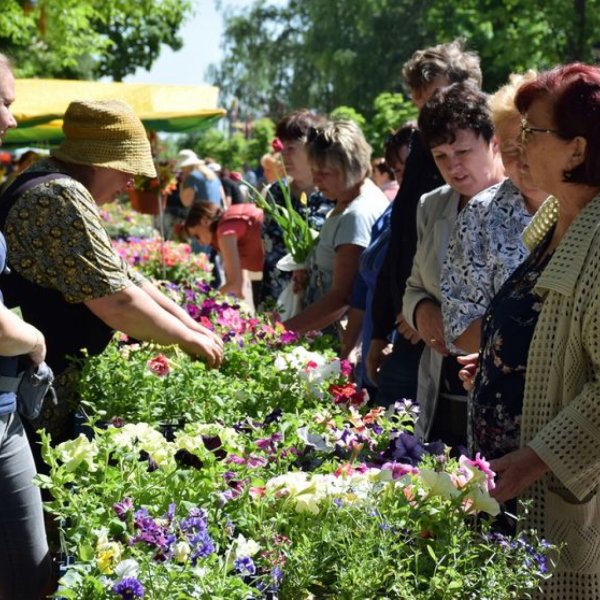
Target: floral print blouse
[
  {"x": 57, "y": 240},
  {"x": 497, "y": 401},
  {"x": 485, "y": 249},
  {"x": 275, "y": 280}
]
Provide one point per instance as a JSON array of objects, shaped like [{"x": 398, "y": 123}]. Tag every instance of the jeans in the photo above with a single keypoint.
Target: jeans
[
  {"x": 25, "y": 564},
  {"x": 398, "y": 375}
]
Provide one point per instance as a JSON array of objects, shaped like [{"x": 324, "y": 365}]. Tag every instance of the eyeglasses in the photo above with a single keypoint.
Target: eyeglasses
[{"x": 526, "y": 130}]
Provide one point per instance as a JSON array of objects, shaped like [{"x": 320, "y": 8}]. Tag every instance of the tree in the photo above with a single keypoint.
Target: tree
[
  {"x": 316, "y": 54},
  {"x": 391, "y": 112},
  {"x": 349, "y": 114},
  {"x": 512, "y": 36},
  {"x": 259, "y": 143},
  {"x": 83, "y": 39}
]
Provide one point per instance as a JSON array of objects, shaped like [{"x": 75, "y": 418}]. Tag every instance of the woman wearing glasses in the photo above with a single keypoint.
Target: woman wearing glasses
[
  {"x": 553, "y": 300},
  {"x": 340, "y": 160}
]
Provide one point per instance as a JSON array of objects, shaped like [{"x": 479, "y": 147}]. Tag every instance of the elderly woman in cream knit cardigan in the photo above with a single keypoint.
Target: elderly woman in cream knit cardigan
[{"x": 542, "y": 332}]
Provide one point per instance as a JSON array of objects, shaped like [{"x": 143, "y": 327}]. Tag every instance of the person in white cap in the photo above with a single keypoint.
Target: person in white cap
[{"x": 199, "y": 183}]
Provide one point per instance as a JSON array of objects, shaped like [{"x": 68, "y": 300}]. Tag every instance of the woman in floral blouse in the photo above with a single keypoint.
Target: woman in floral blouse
[{"x": 486, "y": 245}]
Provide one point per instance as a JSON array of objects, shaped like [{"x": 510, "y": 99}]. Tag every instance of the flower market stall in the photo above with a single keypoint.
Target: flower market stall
[{"x": 269, "y": 478}]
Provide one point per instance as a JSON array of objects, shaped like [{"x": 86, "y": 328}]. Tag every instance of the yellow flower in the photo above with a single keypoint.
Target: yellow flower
[
  {"x": 108, "y": 554},
  {"x": 181, "y": 552},
  {"x": 303, "y": 199},
  {"x": 78, "y": 451}
]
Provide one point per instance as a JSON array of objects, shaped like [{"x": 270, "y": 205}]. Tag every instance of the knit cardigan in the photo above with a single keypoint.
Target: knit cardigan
[{"x": 561, "y": 409}]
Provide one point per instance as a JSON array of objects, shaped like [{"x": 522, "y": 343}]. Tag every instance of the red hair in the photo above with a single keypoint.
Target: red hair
[{"x": 575, "y": 93}]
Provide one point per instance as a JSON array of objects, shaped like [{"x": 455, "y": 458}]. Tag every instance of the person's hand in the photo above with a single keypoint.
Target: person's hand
[
  {"x": 406, "y": 331},
  {"x": 38, "y": 353},
  {"x": 515, "y": 472},
  {"x": 206, "y": 347},
  {"x": 300, "y": 280},
  {"x": 428, "y": 319},
  {"x": 467, "y": 374},
  {"x": 208, "y": 333},
  {"x": 378, "y": 352},
  {"x": 230, "y": 288}
]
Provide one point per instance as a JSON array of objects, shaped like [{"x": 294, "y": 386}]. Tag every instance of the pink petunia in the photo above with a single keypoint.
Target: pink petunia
[{"x": 159, "y": 365}]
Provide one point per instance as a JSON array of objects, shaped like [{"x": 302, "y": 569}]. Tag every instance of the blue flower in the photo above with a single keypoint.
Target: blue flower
[
  {"x": 129, "y": 588},
  {"x": 244, "y": 566}
]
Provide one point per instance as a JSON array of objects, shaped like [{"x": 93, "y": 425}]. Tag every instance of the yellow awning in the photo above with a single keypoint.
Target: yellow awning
[{"x": 41, "y": 103}]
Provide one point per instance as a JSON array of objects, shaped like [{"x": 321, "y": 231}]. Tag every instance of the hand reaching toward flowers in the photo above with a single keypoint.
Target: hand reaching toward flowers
[
  {"x": 205, "y": 347},
  {"x": 516, "y": 471},
  {"x": 378, "y": 352}
]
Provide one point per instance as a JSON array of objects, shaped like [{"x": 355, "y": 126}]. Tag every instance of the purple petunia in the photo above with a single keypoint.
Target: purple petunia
[
  {"x": 244, "y": 566},
  {"x": 129, "y": 588},
  {"x": 122, "y": 508}
]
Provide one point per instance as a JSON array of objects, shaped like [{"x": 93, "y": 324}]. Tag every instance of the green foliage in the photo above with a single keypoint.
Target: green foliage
[
  {"x": 348, "y": 113},
  {"x": 136, "y": 32},
  {"x": 83, "y": 39},
  {"x": 391, "y": 112},
  {"x": 317, "y": 54},
  {"x": 347, "y": 52},
  {"x": 259, "y": 143},
  {"x": 234, "y": 150}
]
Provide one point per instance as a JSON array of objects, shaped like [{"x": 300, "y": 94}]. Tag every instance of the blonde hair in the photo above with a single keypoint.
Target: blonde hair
[
  {"x": 502, "y": 102},
  {"x": 206, "y": 171},
  {"x": 340, "y": 144}
]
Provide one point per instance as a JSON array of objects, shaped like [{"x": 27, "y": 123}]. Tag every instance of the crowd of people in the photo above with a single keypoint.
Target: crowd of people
[{"x": 460, "y": 270}]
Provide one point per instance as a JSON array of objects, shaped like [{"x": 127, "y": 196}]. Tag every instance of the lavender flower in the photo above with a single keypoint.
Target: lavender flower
[
  {"x": 122, "y": 508},
  {"x": 129, "y": 588}
]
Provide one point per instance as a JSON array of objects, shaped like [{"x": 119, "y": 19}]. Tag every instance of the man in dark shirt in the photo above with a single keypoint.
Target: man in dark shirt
[
  {"x": 396, "y": 374},
  {"x": 233, "y": 194}
]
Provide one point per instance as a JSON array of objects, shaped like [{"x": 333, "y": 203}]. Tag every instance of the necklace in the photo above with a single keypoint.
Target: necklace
[{"x": 545, "y": 218}]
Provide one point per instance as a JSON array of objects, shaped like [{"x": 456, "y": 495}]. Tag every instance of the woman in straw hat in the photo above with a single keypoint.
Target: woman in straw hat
[{"x": 65, "y": 275}]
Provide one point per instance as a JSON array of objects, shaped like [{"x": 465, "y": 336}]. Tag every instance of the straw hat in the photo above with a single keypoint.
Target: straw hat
[
  {"x": 187, "y": 158},
  {"x": 105, "y": 133}
]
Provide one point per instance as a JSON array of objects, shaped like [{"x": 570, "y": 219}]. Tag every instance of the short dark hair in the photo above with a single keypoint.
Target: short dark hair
[
  {"x": 295, "y": 125},
  {"x": 199, "y": 210},
  {"x": 384, "y": 168},
  {"x": 575, "y": 93},
  {"x": 397, "y": 140},
  {"x": 450, "y": 60},
  {"x": 458, "y": 106}
]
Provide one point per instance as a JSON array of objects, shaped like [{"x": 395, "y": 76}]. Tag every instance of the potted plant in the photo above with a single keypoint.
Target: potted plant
[{"x": 149, "y": 193}]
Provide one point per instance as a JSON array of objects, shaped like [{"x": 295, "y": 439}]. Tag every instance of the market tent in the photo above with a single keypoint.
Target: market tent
[{"x": 41, "y": 104}]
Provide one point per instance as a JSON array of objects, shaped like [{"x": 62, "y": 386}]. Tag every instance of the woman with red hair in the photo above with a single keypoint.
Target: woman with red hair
[{"x": 546, "y": 321}]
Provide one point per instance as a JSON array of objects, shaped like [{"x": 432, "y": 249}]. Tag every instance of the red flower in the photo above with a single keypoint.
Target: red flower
[
  {"x": 347, "y": 394},
  {"x": 277, "y": 145},
  {"x": 159, "y": 365}
]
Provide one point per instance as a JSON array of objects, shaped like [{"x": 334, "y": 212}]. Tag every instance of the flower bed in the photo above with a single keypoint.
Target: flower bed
[
  {"x": 164, "y": 260},
  {"x": 224, "y": 512},
  {"x": 278, "y": 481},
  {"x": 121, "y": 222}
]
